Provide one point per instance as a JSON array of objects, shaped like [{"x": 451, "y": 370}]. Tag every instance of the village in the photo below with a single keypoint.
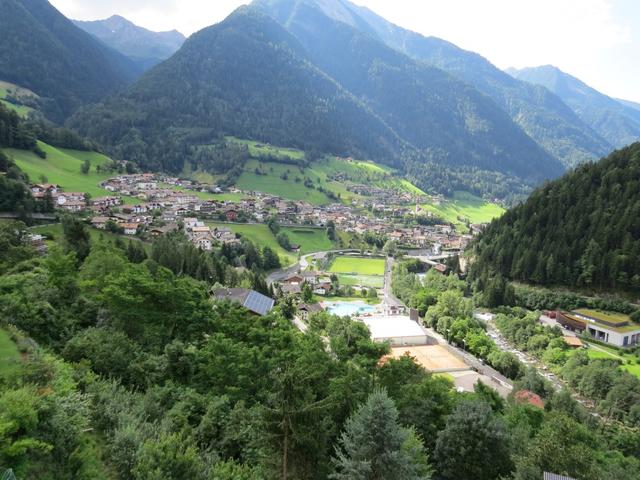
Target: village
[{"x": 149, "y": 205}]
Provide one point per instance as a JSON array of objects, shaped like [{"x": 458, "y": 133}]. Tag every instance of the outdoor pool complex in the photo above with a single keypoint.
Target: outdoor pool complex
[{"x": 348, "y": 309}]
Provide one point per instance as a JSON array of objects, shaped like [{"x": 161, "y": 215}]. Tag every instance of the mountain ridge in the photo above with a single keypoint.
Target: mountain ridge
[
  {"x": 78, "y": 69},
  {"x": 541, "y": 114},
  {"x": 616, "y": 122},
  {"x": 142, "y": 45}
]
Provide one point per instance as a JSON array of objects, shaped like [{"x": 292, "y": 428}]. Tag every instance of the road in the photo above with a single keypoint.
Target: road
[{"x": 388, "y": 297}]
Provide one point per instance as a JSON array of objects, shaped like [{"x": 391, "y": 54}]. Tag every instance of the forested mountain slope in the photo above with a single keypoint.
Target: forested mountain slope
[
  {"x": 145, "y": 47},
  {"x": 618, "y": 123},
  {"x": 245, "y": 77},
  {"x": 539, "y": 112},
  {"x": 250, "y": 78},
  {"x": 447, "y": 119},
  {"x": 582, "y": 230},
  {"x": 43, "y": 51}
]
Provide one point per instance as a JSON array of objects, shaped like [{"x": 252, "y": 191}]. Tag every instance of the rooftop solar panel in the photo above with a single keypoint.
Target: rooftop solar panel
[{"x": 258, "y": 303}]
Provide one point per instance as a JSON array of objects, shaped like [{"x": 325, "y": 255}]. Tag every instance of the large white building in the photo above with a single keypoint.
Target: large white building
[
  {"x": 609, "y": 327},
  {"x": 399, "y": 330}
]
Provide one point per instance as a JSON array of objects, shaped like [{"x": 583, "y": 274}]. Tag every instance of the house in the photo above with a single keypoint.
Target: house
[
  {"x": 158, "y": 231},
  {"x": 129, "y": 228},
  {"x": 99, "y": 222},
  {"x": 73, "y": 206},
  {"x": 106, "y": 202},
  {"x": 204, "y": 241},
  {"x": 307, "y": 309},
  {"x": 67, "y": 197},
  {"x": 322, "y": 289},
  {"x": 291, "y": 289},
  {"x": 608, "y": 327},
  {"x": 40, "y": 189},
  {"x": 231, "y": 215},
  {"x": 253, "y": 301},
  {"x": 294, "y": 280}
]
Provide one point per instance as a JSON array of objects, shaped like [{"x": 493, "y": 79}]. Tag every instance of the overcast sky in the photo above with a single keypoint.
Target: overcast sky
[{"x": 597, "y": 41}]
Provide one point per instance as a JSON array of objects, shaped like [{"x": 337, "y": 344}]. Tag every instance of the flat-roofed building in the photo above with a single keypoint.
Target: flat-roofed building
[
  {"x": 398, "y": 330},
  {"x": 609, "y": 327}
]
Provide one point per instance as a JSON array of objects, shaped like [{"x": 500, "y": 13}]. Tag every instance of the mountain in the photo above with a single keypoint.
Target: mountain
[
  {"x": 432, "y": 110},
  {"x": 43, "y": 51},
  {"x": 141, "y": 45},
  {"x": 628, "y": 103},
  {"x": 245, "y": 77},
  {"x": 582, "y": 230},
  {"x": 249, "y": 77},
  {"x": 618, "y": 123},
  {"x": 541, "y": 114}
]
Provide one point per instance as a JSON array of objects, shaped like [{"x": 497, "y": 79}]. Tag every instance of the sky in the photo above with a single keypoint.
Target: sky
[{"x": 597, "y": 41}]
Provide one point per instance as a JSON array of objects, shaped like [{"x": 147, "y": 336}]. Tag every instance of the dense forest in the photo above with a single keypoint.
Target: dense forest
[
  {"x": 40, "y": 49},
  {"x": 582, "y": 230},
  {"x": 127, "y": 370}
]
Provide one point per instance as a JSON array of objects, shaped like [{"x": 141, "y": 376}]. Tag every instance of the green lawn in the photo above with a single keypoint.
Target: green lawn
[
  {"x": 372, "y": 281},
  {"x": 310, "y": 239},
  {"x": 358, "y": 265},
  {"x": 8, "y": 353},
  {"x": 62, "y": 166},
  {"x": 630, "y": 365},
  {"x": 465, "y": 206}
]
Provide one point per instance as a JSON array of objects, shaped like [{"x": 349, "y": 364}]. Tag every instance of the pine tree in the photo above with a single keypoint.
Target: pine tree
[{"x": 375, "y": 446}]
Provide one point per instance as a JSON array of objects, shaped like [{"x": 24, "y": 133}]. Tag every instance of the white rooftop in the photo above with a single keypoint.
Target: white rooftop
[{"x": 391, "y": 326}]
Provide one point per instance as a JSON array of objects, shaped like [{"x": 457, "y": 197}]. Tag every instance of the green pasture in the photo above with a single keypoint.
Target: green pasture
[{"x": 62, "y": 166}]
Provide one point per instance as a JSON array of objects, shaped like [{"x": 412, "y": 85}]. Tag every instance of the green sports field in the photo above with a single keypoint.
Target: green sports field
[
  {"x": 372, "y": 281},
  {"x": 357, "y": 266},
  {"x": 62, "y": 166}
]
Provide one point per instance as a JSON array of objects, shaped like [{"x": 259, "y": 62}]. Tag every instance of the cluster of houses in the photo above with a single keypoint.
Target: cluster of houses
[
  {"x": 73, "y": 202},
  {"x": 168, "y": 201}
]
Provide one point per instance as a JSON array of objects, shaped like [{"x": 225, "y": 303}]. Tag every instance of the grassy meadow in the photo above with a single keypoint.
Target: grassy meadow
[
  {"x": 465, "y": 206},
  {"x": 62, "y": 166},
  {"x": 6, "y": 88},
  {"x": 310, "y": 239}
]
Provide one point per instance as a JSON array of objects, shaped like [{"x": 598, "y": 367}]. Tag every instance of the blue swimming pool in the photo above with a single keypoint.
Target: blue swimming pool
[{"x": 348, "y": 309}]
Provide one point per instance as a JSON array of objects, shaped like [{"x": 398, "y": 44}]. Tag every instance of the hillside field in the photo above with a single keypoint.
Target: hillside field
[
  {"x": 465, "y": 206},
  {"x": 62, "y": 166},
  {"x": 5, "y": 88},
  {"x": 288, "y": 180},
  {"x": 310, "y": 239}
]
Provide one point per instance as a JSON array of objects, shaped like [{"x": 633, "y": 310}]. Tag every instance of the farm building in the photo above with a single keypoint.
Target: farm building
[
  {"x": 398, "y": 330},
  {"x": 613, "y": 328}
]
